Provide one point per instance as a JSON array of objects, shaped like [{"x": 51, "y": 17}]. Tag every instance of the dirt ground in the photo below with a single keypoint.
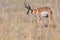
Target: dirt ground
[{"x": 15, "y": 24}]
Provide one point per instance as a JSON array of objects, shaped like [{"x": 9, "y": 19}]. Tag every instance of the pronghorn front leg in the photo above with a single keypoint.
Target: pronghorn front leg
[{"x": 38, "y": 19}]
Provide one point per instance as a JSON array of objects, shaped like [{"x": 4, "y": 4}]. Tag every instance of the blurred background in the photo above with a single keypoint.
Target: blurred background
[{"x": 15, "y": 24}]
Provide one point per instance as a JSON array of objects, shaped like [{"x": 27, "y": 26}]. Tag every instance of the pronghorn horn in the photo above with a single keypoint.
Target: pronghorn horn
[
  {"x": 26, "y": 5},
  {"x": 29, "y": 6}
]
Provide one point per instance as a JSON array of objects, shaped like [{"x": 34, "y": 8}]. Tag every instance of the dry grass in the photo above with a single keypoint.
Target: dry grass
[{"x": 15, "y": 24}]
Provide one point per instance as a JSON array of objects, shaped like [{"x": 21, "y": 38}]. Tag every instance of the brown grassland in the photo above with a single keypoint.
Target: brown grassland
[{"x": 15, "y": 24}]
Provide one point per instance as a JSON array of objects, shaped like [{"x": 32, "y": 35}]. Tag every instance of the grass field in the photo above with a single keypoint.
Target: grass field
[{"x": 15, "y": 24}]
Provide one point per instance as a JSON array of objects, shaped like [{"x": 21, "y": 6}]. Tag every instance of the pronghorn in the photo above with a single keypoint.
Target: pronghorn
[{"x": 40, "y": 12}]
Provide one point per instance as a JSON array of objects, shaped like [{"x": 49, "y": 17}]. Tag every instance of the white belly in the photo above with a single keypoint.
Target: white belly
[{"x": 43, "y": 14}]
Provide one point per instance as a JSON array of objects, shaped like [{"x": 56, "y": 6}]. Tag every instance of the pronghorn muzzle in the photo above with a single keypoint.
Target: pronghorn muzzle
[{"x": 27, "y": 12}]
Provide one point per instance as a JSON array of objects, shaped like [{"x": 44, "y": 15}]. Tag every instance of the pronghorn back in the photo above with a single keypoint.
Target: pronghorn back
[{"x": 37, "y": 11}]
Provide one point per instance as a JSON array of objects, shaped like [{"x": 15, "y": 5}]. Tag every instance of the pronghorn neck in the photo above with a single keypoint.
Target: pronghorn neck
[{"x": 34, "y": 11}]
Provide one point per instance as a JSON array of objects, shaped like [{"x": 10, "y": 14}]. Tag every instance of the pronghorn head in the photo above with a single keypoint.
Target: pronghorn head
[{"x": 28, "y": 7}]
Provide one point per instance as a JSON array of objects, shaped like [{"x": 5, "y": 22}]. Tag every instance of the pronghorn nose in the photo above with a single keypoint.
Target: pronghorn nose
[{"x": 27, "y": 12}]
